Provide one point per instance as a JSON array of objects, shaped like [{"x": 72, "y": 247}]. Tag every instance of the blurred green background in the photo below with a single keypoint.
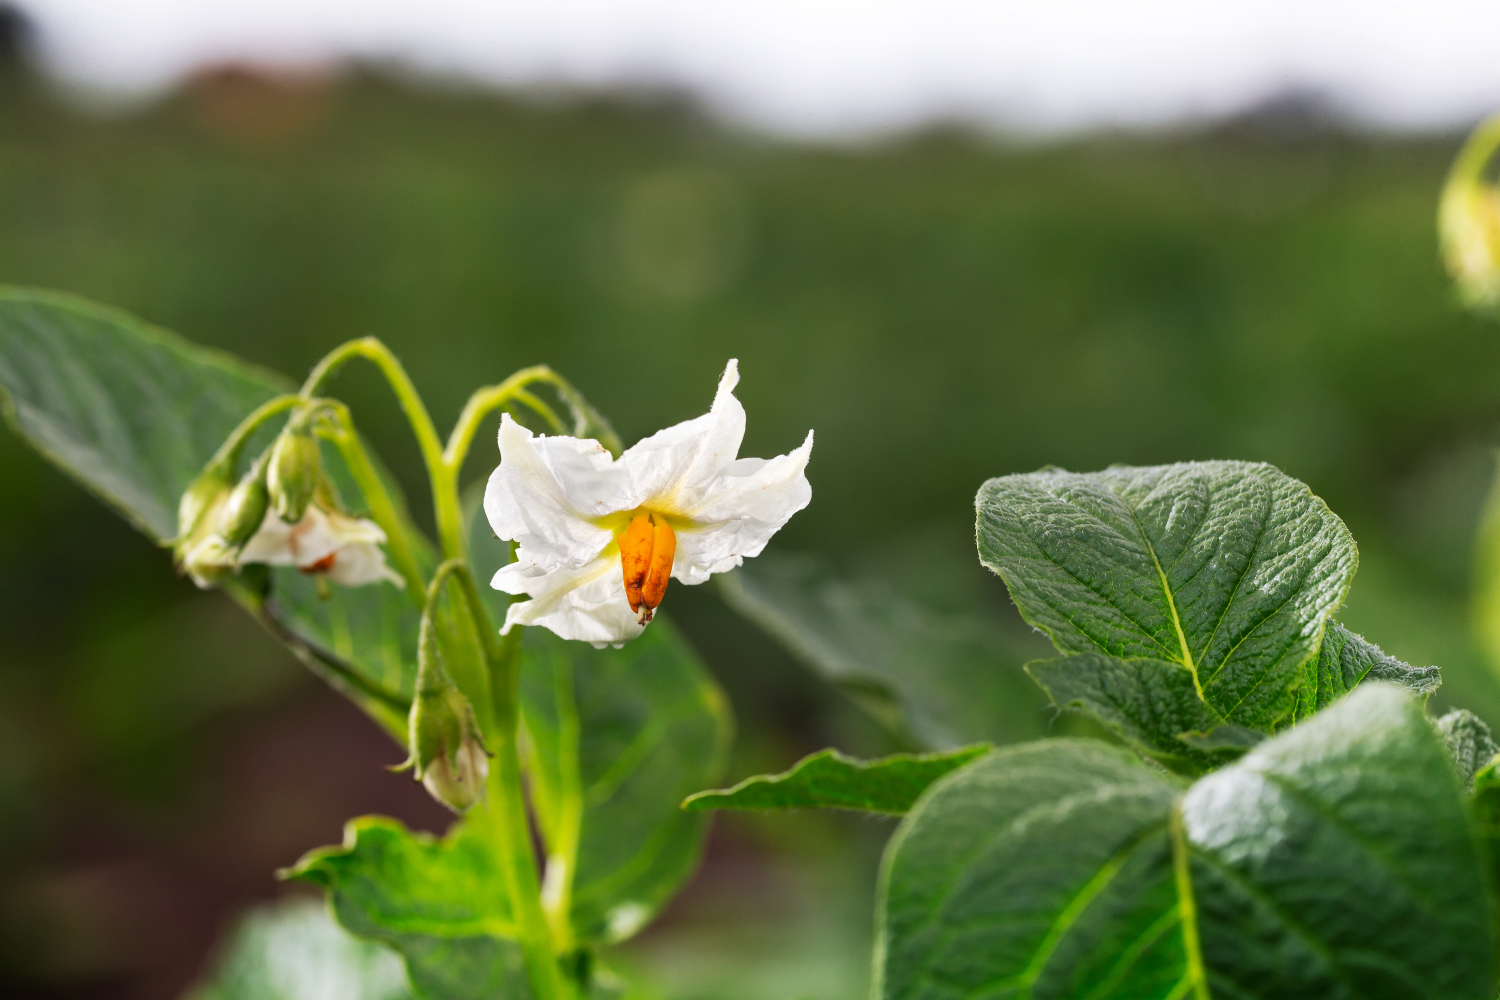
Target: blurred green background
[{"x": 941, "y": 307}]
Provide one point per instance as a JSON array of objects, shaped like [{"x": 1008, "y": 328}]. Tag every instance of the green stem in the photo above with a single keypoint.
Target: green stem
[
  {"x": 444, "y": 486},
  {"x": 486, "y": 400},
  {"x": 382, "y": 508},
  {"x": 510, "y": 823},
  {"x": 229, "y": 451}
]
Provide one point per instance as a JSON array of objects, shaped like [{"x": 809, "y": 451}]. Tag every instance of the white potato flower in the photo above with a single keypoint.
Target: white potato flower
[
  {"x": 344, "y": 549},
  {"x": 598, "y": 537}
]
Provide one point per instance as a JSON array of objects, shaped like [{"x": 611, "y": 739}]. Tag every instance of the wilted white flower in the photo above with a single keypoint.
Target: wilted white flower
[
  {"x": 599, "y": 537},
  {"x": 345, "y": 549}
]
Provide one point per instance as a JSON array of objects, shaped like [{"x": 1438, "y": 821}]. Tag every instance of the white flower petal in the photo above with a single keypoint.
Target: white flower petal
[
  {"x": 674, "y": 468},
  {"x": 360, "y": 564},
  {"x": 546, "y": 492},
  {"x": 271, "y": 543},
  {"x": 586, "y": 603},
  {"x": 742, "y": 510},
  {"x": 354, "y": 543}
]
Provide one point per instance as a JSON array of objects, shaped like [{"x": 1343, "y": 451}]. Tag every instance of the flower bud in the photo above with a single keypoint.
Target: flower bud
[
  {"x": 294, "y": 470},
  {"x": 208, "y": 561},
  {"x": 447, "y": 748},
  {"x": 245, "y": 508},
  {"x": 201, "y": 498},
  {"x": 198, "y": 513}
]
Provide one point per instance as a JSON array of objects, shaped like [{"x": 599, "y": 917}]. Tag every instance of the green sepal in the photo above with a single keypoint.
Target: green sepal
[
  {"x": 245, "y": 509},
  {"x": 294, "y": 471}
]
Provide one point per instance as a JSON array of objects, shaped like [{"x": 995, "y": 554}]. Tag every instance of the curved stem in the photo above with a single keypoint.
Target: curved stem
[
  {"x": 491, "y": 398},
  {"x": 509, "y": 822},
  {"x": 382, "y": 508},
  {"x": 444, "y": 487},
  {"x": 229, "y": 451}
]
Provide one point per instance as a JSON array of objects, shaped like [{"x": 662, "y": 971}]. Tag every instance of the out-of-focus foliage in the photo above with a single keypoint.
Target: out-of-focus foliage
[
  {"x": 1273, "y": 283},
  {"x": 294, "y": 951}
]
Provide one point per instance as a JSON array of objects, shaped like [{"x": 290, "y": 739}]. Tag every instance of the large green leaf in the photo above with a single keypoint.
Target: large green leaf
[
  {"x": 1154, "y": 705},
  {"x": 1337, "y": 860},
  {"x": 832, "y": 780},
  {"x": 946, "y": 679},
  {"x": 1042, "y": 871},
  {"x": 1333, "y": 861},
  {"x": 440, "y": 903},
  {"x": 1228, "y": 569},
  {"x": 616, "y": 739},
  {"x": 1150, "y": 703},
  {"x": 130, "y": 411},
  {"x": 134, "y": 413},
  {"x": 295, "y": 951}
]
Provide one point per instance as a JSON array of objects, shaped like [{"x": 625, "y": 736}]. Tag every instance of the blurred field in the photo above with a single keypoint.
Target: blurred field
[{"x": 942, "y": 308}]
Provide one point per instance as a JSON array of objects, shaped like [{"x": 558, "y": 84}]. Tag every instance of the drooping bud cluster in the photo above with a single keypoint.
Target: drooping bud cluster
[
  {"x": 447, "y": 751},
  {"x": 283, "y": 512}
]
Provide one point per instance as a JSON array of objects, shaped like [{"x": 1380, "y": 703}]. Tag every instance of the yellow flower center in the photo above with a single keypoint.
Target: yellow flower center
[{"x": 647, "y": 546}]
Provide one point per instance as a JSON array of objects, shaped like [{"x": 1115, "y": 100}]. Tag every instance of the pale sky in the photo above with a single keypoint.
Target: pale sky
[{"x": 829, "y": 67}]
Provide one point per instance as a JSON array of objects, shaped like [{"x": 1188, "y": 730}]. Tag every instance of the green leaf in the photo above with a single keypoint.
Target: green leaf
[
  {"x": 1043, "y": 871},
  {"x": 1470, "y": 744},
  {"x": 1229, "y": 569},
  {"x": 134, "y": 413},
  {"x": 947, "y": 680},
  {"x": 1337, "y": 860},
  {"x": 439, "y": 903},
  {"x": 832, "y": 780},
  {"x": 1151, "y": 704},
  {"x": 617, "y": 739},
  {"x": 1333, "y": 861},
  {"x": 295, "y": 951},
  {"x": 130, "y": 411},
  {"x": 1345, "y": 659}
]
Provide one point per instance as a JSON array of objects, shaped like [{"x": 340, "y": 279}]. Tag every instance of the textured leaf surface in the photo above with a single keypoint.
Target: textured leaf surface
[
  {"x": 1337, "y": 861},
  {"x": 131, "y": 411},
  {"x": 618, "y": 737},
  {"x": 1043, "y": 871},
  {"x": 440, "y": 903},
  {"x": 1149, "y": 703},
  {"x": 295, "y": 951},
  {"x": 1469, "y": 742},
  {"x": 1345, "y": 659},
  {"x": 948, "y": 680},
  {"x": 829, "y": 779},
  {"x": 1229, "y": 569},
  {"x": 1333, "y": 861}
]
